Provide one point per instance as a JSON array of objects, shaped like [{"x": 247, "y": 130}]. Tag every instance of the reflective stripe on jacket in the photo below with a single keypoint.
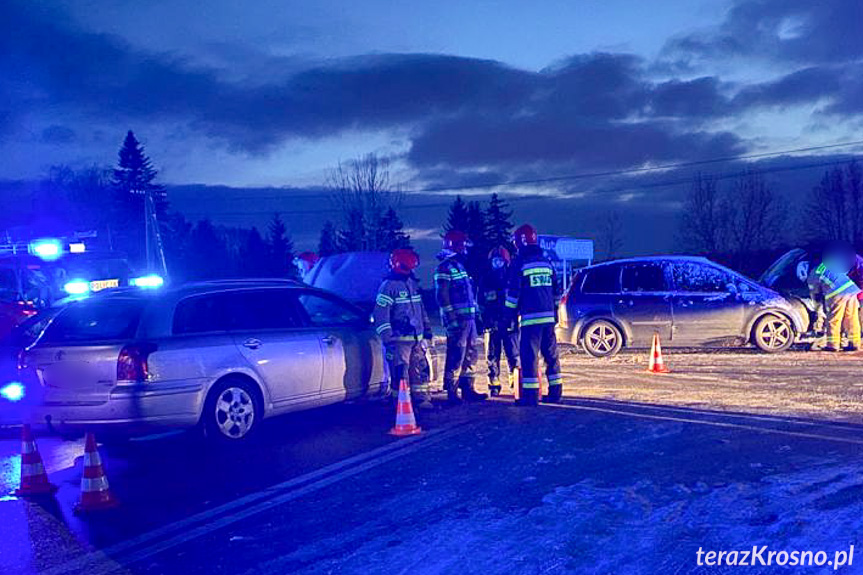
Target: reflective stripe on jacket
[
  {"x": 399, "y": 313},
  {"x": 533, "y": 290},
  {"x": 831, "y": 283},
  {"x": 454, "y": 291}
]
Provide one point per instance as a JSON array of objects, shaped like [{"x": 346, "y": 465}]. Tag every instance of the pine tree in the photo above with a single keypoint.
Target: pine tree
[
  {"x": 498, "y": 223},
  {"x": 328, "y": 243},
  {"x": 209, "y": 256},
  {"x": 255, "y": 255},
  {"x": 476, "y": 226},
  {"x": 391, "y": 233},
  {"x": 133, "y": 178},
  {"x": 135, "y": 173},
  {"x": 353, "y": 238},
  {"x": 457, "y": 218},
  {"x": 281, "y": 247}
]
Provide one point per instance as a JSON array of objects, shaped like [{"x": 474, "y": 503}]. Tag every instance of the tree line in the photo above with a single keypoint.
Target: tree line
[
  {"x": 110, "y": 201},
  {"x": 745, "y": 224}
]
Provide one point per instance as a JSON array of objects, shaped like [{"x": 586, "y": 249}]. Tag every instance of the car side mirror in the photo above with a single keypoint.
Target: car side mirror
[{"x": 732, "y": 289}]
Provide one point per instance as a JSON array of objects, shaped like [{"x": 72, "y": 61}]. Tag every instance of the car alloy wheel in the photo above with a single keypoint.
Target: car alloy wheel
[
  {"x": 602, "y": 339},
  {"x": 773, "y": 333},
  {"x": 234, "y": 412}
]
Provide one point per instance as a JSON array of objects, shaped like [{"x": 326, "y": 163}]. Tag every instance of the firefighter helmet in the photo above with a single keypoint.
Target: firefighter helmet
[
  {"x": 457, "y": 241},
  {"x": 500, "y": 252},
  {"x": 525, "y": 235},
  {"x": 404, "y": 260}
]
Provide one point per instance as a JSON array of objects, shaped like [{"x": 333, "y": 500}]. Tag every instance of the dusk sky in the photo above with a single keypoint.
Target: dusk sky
[{"x": 274, "y": 92}]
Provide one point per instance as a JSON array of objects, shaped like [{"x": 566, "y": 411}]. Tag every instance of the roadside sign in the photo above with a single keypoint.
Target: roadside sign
[{"x": 562, "y": 251}]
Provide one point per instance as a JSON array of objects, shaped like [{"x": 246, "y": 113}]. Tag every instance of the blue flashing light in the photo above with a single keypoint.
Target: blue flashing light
[
  {"x": 47, "y": 249},
  {"x": 13, "y": 391},
  {"x": 77, "y": 287},
  {"x": 150, "y": 281}
]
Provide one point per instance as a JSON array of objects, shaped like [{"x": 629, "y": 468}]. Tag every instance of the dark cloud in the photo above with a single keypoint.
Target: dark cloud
[
  {"x": 476, "y": 118},
  {"x": 571, "y": 141},
  {"x": 57, "y": 135},
  {"x": 800, "y": 31},
  {"x": 807, "y": 85},
  {"x": 698, "y": 98}
]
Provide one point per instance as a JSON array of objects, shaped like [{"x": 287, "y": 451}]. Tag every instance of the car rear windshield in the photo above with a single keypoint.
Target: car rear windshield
[
  {"x": 604, "y": 279},
  {"x": 105, "y": 320}
]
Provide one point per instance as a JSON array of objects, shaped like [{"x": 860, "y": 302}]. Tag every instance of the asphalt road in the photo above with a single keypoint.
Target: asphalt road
[{"x": 598, "y": 485}]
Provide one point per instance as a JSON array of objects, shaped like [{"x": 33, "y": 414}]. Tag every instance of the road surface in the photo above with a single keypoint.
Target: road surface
[{"x": 633, "y": 474}]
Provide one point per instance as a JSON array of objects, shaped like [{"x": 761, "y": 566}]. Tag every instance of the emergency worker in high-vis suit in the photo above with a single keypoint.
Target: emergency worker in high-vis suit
[{"x": 402, "y": 322}]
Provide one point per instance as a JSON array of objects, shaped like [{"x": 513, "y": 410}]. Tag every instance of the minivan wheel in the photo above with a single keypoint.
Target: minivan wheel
[
  {"x": 602, "y": 339},
  {"x": 232, "y": 411},
  {"x": 773, "y": 333}
]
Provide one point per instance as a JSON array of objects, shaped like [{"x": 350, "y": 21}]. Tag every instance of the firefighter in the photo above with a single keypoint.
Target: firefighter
[
  {"x": 533, "y": 294},
  {"x": 455, "y": 296},
  {"x": 830, "y": 282},
  {"x": 403, "y": 325},
  {"x": 502, "y": 331}
]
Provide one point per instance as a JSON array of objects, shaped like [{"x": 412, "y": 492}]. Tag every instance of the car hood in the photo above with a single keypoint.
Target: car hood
[{"x": 355, "y": 276}]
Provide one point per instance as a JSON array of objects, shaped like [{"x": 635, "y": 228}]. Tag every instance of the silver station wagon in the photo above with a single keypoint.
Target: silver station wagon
[{"x": 224, "y": 354}]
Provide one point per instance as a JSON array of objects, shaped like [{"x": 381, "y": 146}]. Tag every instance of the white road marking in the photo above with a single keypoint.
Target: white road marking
[
  {"x": 726, "y": 414},
  {"x": 112, "y": 558}
]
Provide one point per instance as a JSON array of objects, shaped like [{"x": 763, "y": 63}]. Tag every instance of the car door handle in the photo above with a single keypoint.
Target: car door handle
[
  {"x": 252, "y": 343},
  {"x": 329, "y": 340}
]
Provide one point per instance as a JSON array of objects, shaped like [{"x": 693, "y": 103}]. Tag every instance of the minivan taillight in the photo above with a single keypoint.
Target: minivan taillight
[{"x": 132, "y": 362}]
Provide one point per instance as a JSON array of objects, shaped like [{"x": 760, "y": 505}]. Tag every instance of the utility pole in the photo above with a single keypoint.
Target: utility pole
[{"x": 153, "y": 236}]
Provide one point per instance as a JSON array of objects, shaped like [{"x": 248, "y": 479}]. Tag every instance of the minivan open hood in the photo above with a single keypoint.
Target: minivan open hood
[{"x": 355, "y": 276}]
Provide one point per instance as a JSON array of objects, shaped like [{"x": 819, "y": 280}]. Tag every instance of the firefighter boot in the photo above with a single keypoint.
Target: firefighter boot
[
  {"x": 494, "y": 387},
  {"x": 422, "y": 401},
  {"x": 529, "y": 398},
  {"x": 555, "y": 392},
  {"x": 451, "y": 393},
  {"x": 468, "y": 393}
]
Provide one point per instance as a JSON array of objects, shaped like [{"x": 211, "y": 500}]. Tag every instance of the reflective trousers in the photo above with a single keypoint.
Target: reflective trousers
[
  {"x": 501, "y": 341},
  {"x": 539, "y": 340},
  {"x": 407, "y": 361},
  {"x": 843, "y": 316},
  {"x": 461, "y": 354}
]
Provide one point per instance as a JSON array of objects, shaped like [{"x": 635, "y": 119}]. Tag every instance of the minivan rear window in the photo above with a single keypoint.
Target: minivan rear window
[
  {"x": 103, "y": 320},
  {"x": 604, "y": 279}
]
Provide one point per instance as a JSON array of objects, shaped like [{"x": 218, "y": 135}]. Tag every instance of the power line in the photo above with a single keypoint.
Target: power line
[
  {"x": 583, "y": 176},
  {"x": 534, "y": 197}
]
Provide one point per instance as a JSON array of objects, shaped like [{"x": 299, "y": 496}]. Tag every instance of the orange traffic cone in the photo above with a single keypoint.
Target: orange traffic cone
[
  {"x": 406, "y": 423},
  {"x": 95, "y": 493},
  {"x": 515, "y": 382},
  {"x": 34, "y": 480},
  {"x": 656, "y": 365}
]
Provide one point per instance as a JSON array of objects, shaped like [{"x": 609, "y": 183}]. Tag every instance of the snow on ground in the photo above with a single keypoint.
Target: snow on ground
[{"x": 797, "y": 383}]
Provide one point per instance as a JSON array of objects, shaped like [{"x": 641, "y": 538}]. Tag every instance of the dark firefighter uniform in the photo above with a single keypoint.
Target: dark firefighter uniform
[
  {"x": 403, "y": 325},
  {"x": 456, "y": 299},
  {"x": 533, "y": 293},
  {"x": 502, "y": 330}
]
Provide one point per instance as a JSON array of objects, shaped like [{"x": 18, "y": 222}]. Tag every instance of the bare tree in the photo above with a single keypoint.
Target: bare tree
[
  {"x": 754, "y": 218},
  {"x": 364, "y": 192},
  {"x": 854, "y": 188},
  {"x": 835, "y": 209},
  {"x": 703, "y": 220},
  {"x": 611, "y": 235}
]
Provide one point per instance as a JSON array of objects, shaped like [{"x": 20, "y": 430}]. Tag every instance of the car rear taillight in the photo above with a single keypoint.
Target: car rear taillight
[{"x": 132, "y": 362}]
